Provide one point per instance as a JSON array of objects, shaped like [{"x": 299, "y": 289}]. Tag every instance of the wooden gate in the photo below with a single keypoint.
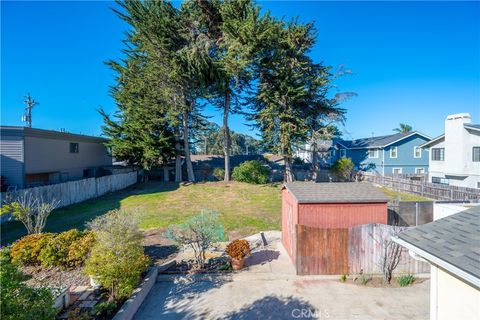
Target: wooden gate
[{"x": 321, "y": 251}]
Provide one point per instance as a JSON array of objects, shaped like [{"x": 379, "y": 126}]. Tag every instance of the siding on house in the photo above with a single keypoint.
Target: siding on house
[{"x": 12, "y": 156}]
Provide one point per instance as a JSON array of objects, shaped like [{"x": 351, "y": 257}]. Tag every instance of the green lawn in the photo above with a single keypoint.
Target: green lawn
[
  {"x": 244, "y": 208},
  {"x": 392, "y": 194}
]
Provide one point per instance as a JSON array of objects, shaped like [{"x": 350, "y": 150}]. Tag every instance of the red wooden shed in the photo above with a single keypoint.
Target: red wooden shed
[{"x": 329, "y": 205}]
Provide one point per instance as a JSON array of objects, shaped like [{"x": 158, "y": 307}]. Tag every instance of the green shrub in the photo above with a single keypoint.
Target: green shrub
[
  {"x": 79, "y": 250},
  {"x": 405, "y": 280},
  {"x": 343, "y": 278},
  {"x": 26, "y": 250},
  {"x": 364, "y": 279},
  {"x": 17, "y": 300},
  {"x": 117, "y": 260},
  {"x": 55, "y": 252},
  {"x": 251, "y": 172},
  {"x": 343, "y": 168},
  {"x": 199, "y": 233},
  {"x": 105, "y": 309},
  {"x": 219, "y": 174}
]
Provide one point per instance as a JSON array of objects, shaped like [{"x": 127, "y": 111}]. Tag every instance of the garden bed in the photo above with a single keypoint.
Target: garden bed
[
  {"x": 377, "y": 282},
  {"x": 212, "y": 265}
]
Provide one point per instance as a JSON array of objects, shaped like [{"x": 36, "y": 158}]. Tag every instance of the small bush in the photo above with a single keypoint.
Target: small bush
[
  {"x": 343, "y": 168},
  {"x": 219, "y": 174},
  {"x": 105, "y": 309},
  {"x": 199, "y": 233},
  {"x": 405, "y": 280},
  {"x": 79, "y": 250},
  {"x": 55, "y": 252},
  {"x": 238, "y": 249},
  {"x": 117, "y": 260},
  {"x": 343, "y": 278},
  {"x": 251, "y": 172},
  {"x": 19, "y": 301},
  {"x": 364, "y": 279},
  {"x": 26, "y": 250}
]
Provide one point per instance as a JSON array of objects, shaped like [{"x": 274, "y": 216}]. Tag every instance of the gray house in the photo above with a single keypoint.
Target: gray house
[{"x": 32, "y": 157}]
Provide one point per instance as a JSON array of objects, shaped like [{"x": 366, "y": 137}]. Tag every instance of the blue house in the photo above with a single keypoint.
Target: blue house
[{"x": 398, "y": 153}]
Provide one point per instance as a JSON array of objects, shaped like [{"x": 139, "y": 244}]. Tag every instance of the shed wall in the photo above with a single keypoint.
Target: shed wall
[
  {"x": 12, "y": 157},
  {"x": 289, "y": 220},
  {"x": 341, "y": 215}
]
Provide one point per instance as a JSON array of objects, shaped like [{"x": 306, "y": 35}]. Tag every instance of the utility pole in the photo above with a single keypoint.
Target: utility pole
[{"x": 29, "y": 104}]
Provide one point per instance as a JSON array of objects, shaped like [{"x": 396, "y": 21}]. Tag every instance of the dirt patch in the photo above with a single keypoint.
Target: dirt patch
[
  {"x": 159, "y": 248},
  {"x": 377, "y": 282},
  {"x": 54, "y": 277}
]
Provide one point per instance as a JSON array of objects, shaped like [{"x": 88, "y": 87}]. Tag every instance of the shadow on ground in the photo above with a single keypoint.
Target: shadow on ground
[
  {"x": 261, "y": 257},
  {"x": 274, "y": 307}
]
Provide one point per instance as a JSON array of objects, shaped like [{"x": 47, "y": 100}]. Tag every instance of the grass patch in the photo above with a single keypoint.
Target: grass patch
[
  {"x": 243, "y": 208},
  {"x": 404, "y": 196}
]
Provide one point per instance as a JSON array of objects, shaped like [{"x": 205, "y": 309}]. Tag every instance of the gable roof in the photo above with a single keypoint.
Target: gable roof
[
  {"x": 475, "y": 127},
  {"x": 433, "y": 141},
  {"x": 452, "y": 243},
  {"x": 335, "y": 192},
  {"x": 378, "y": 142}
]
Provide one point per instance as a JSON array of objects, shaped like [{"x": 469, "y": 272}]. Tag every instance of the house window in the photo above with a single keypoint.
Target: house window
[
  {"x": 393, "y": 152},
  {"x": 343, "y": 153},
  {"x": 397, "y": 170},
  {"x": 476, "y": 154},
  {"x": 440, "y": 180},
  {"x": 372, "y": 153},
  {"x": 419, "y": 170},
  {"x": 74, "y": 147},
  {"x": 438, "y": 154},
  {"x": 332, "y": 153},
  {"x": 417, "y": 152}
]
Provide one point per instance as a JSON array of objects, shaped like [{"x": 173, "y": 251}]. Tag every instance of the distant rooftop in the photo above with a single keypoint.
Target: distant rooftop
[
  {"x": 454, "y": 240},
  {"x": 335, "y": 192},
  {"x": 377, "y": 142}
]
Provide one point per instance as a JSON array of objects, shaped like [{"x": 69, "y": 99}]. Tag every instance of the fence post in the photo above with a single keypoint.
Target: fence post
[
  {"x": 451, "y": 194},
  {"x": 416, "y": 213}
]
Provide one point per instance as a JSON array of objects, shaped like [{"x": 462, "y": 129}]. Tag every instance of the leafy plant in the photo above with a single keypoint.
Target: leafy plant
[
  {"x": 26, "y": 250},
  {"x": 19, "y": 301},
  {"x": 238, "y": 249},
  {"x": 78, "y": 314},
  {"x": 198, "y": 233},
  {"x": 103, "y": 309},
  {"x": 343, "y": 168},
  {"x": 56, "y": 249},
  {"x": 30, "y": 210},
  {"x": 343, "y": 278},
  {"x": 80, "y": 249},
  {"x": 405, "y": 280},
  {"x": 117, "y": 260},
  {"x": 251, "y": 172},
  {"x": 364, "y": 279},
  {"x": 219, "y": 173},
  {"x": 225, "y": 267}
]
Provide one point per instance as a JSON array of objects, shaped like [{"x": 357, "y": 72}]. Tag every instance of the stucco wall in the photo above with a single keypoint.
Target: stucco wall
[
  {"x": 341, "y": 215},
  {"x": 53, "y": 155},
  {"x": 452, "y": 298}
]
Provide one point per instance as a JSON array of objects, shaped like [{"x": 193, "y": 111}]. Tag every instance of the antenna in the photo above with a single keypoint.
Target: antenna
[{"x": 29, "y": 104}]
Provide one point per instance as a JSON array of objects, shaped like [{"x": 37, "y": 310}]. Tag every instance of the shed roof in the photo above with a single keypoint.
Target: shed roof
[
  {"x": 453, "y": 242},
  {"x": 335, "y": 192}
]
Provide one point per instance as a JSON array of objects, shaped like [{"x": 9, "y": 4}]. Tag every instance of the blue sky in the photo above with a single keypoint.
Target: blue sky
[{"x": 413, "y": 62}]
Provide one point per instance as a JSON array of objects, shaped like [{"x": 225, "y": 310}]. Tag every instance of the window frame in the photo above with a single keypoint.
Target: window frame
[
  {"x": 375, "y": 150},
  {"x": 415, "y": 148},
  {"x": 343, "y": 153},
  {"x": 397, "y": 168},
  {"x": 473, "y": 154},
  {"x": 396, "y": 152},
  {"x": 441, "y": 154},
  {"x": 422, "y": 169},
  {"x": 74, "y": 150}
]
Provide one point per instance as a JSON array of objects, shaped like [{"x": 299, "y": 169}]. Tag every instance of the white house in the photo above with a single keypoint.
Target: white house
[
  {"x": 451, "y": 246},
  {"x": 455, "y": 155}
]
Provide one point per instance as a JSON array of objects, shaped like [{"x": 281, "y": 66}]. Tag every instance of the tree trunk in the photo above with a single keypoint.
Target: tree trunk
[
  {"x": 178, "y": 157},
  {"x": 314, "y": 161},
  {"x": 289, "y": 177},
  {"x": 226, "y": 136},
  {"x": 186, "y": 146}
]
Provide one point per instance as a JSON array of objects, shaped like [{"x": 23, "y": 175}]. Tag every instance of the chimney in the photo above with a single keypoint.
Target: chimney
[{"x": 454, "y": 137}]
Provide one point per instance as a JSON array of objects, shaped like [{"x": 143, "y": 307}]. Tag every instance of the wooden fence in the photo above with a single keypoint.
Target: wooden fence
[
  {"x": 77, "y": 191},
  {"x": 348, "y": 251},
  {"x": 427, "y": 189}
]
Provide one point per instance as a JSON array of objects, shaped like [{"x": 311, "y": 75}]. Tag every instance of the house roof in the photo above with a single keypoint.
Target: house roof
[
  {"x": 49, "y": 134},
  {"x": 472, "y": 126},
  {"x": 438, "y": 139},
  {"x": 378, "y": 142},
  {"x": 452, "y": 243},
  {"x": 335, "y": 192}
]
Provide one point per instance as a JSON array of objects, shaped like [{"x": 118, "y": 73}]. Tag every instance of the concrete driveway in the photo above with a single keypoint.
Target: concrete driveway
[{"x": 269, "y": 289}]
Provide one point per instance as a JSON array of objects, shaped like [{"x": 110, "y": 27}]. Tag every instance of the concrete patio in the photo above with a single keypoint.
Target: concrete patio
[{"x": 269, "y": 289}]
